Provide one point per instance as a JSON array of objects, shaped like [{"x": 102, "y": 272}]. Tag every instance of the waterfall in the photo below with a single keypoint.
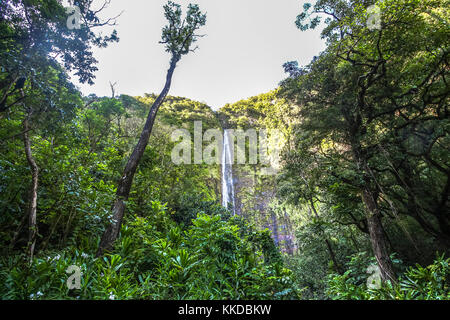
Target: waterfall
[{"x": 227, "y": 172}]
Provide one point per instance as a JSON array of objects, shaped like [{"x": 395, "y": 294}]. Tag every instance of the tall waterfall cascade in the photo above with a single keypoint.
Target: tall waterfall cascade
[{"x": 227, "y": 173}]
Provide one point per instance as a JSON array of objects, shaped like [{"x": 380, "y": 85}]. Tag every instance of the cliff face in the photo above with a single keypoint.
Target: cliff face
[
  {"x": 255, "y": 191},
  {"x": 255, "y": 199}
]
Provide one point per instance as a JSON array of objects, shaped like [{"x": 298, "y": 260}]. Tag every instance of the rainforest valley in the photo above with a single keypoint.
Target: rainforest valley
[{"x": 358, "y": 207}]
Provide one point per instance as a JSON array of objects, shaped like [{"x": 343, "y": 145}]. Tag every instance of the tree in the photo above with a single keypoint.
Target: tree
[
  {"x": 178, "y": 36},
  {"x": 37, "y": 49},
  {"x": 368, "y": 93}
]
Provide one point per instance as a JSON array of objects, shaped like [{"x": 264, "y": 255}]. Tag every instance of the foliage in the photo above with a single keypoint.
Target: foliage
[
  {"x": 179, "y": 35},
  {"x": 417, "y": 283},
  {"x": 158, "y": 260}
]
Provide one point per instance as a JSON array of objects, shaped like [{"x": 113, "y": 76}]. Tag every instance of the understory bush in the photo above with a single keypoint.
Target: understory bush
[
  {"x": 155, "y": 258},
  {"x": 416, "y": 283}
]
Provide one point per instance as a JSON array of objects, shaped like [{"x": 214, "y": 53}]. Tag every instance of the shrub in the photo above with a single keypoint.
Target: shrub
[
  {"x": 418, "y": 283},
  {"x": 155, "y": 258}
]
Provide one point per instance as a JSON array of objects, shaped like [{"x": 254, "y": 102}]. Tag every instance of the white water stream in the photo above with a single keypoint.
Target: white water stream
[{"x": 227, "y": 173}]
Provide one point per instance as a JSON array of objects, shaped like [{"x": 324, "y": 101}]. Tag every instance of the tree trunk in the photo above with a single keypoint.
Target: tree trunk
[
  {"x": 32, "y": 208},
  {"x": 373, "y": 215},
  {"x": 377, "y": 237},
  {"x": 124, "y": 187}
]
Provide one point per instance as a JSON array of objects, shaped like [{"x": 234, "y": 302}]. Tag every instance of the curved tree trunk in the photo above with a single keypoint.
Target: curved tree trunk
[
  {"x": 32, "y": 208},
  {"x": 124, "y": 187},
  {"x": 378, "y": 237}
]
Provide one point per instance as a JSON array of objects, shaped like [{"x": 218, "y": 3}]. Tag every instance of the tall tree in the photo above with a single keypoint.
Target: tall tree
[
  {"x": 178, "y": 36},
  {"x": 370, "y": 88}
]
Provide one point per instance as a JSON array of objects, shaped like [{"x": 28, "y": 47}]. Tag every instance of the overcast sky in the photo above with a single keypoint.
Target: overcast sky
[{"x": 246, "y": 44}]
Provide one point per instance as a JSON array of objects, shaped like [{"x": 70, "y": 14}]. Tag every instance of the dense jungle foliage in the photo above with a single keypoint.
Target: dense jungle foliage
[{"x": 358, "y": 209}]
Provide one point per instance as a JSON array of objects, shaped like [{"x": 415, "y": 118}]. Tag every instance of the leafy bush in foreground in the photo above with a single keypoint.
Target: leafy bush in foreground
[
  {"x": 417, "y": 283},
  {"x": 155, "y": 259}
]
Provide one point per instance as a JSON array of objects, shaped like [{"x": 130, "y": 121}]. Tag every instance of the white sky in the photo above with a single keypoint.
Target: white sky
[{"x": 246, "y": 44}]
